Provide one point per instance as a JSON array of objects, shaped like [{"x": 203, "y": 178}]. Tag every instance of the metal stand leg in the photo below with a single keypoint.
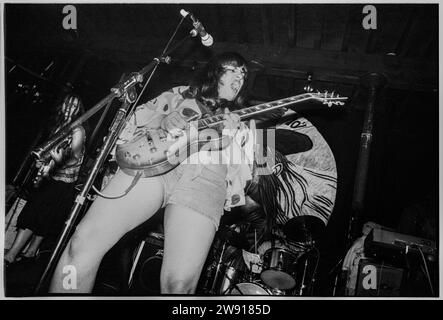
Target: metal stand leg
[
  {"x": 220, "y": 260},
  {"x": 134, "y": 264}
]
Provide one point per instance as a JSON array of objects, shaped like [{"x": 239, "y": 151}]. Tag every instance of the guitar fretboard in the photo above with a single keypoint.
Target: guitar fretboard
[{"x": 254, "y": 110}]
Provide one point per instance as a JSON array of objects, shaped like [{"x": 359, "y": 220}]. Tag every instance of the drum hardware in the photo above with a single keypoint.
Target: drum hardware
[
  {"x": 308, "y": 274},
  {"x": 302, "y": 285},
  {"x": 134, "y": 263},
  {"x": 217, "y": 271}
]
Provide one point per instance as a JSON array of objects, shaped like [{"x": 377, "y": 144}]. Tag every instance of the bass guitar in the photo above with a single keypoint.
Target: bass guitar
[
  {"x": 154, "y": 152},
  {"x": 48, "y": 164}
]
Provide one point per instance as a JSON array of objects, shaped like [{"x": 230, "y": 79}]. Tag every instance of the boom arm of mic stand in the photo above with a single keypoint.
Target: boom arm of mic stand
[{"x": 117, "y": 91}]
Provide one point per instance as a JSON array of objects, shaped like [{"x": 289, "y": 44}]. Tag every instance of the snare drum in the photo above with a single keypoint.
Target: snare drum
[
  {"x": 249, "y": 289},
  {"x": 279, "y": 268}
]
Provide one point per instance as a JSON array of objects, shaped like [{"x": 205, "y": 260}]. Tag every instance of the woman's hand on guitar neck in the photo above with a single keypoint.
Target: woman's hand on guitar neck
[
  {"x": 232, "y": 120},
  {"x": 57, "y": 155}
]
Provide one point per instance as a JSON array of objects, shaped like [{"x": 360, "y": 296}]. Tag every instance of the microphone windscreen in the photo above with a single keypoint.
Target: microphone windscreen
[
  {"x": 207, "y": 40},
  {"x": 184, "y": 13}
]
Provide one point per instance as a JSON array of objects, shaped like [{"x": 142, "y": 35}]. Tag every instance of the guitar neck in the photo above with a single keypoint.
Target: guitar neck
[{"x": 254, "y": 110}]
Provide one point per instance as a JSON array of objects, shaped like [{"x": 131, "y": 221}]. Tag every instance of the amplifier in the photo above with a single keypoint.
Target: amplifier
[
  {"x": 376, "y": 279},
  {"x": 386, "y": 244}
]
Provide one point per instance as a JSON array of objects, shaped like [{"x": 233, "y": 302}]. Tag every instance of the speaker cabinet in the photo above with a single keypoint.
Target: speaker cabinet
[{"x": 377, "y": 279}]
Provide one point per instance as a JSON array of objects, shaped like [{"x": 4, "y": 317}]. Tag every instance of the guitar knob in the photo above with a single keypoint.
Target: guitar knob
[{"x": 153, "y": 150}]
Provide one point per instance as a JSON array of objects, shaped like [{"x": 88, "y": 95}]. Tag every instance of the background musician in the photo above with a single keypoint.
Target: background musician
[{"x": 48, "y": 205}]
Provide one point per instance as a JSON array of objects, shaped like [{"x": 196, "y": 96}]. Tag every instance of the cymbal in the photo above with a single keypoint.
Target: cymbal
[
  {"x": 304, "y": 229},
  {"x": 232, "y": 237}
]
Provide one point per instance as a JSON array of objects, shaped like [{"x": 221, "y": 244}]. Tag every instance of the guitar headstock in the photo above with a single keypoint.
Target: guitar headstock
[{"x": 329, "y": 98}]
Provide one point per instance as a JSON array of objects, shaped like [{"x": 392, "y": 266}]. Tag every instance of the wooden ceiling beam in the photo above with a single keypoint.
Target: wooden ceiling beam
[
  {"x": 243, "y": 31},
  {"x": 265, "y": 26},
  {"x": 318, "y": 44},
  {"x": 220, "y": 24},
  {"x": 347, "y": 31},
  {"x": 403, "y": 73},
  {"x": 292, "y": 30}
]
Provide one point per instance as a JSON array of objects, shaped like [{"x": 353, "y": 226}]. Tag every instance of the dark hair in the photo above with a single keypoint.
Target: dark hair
[
  {"x": 204, "y": 86},
  {"x": 270, "y": 189},
  {"x": 58, "y": 118}
]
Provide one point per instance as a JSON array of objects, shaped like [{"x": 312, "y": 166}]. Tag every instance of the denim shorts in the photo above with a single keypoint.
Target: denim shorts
[{"x": 201, "y": 187}]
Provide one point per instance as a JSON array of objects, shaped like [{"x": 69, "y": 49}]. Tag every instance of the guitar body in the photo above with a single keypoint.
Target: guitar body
[
  {"x": 156, "y": 152},
  {"x": 153, "y": 152}
]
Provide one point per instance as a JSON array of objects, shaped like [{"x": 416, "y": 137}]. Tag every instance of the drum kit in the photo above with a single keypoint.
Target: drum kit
[{"x": 285, "y": 265}]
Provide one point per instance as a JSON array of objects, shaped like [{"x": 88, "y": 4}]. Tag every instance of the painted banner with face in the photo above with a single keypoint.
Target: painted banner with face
[{"x": 314, "y": 182}]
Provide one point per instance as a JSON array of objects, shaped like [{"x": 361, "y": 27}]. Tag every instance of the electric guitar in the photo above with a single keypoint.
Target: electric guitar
[
  {"x": 154, "y": 152},
  {"x": 48, "y": 164}
]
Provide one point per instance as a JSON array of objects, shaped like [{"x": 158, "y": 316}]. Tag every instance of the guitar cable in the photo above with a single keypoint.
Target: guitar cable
[
  {"x": 428, "y": 276},
  {"x": 132, "y": 185}
]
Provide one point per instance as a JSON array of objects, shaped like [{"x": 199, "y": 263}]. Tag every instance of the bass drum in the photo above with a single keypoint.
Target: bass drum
[{"x": 249, "y": 289}]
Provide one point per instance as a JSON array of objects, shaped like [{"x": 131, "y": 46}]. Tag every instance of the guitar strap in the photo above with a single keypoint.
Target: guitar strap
[{"x": 132, "y": 185}]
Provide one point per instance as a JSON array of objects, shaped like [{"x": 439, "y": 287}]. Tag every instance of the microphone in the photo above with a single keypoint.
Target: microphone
[{"x": 206, "y": 38}]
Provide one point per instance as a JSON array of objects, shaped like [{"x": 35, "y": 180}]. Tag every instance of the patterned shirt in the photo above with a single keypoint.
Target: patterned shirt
[
  {"x": 190, "y": 109},
  {"x": 69, "y": 173}
]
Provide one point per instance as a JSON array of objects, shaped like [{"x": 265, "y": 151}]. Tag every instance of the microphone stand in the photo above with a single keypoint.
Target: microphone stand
[
  {"x": 129, "y": 94},
  {"x": 125, "y": 90}
]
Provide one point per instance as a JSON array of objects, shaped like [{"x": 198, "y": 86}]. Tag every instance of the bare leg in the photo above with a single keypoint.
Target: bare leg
[
  {"x": 33, "y": 246},
  {"x": 104, "y": 224},
  {"x": 188, "y": 238},
  {"x": 20, "y": 241}
]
